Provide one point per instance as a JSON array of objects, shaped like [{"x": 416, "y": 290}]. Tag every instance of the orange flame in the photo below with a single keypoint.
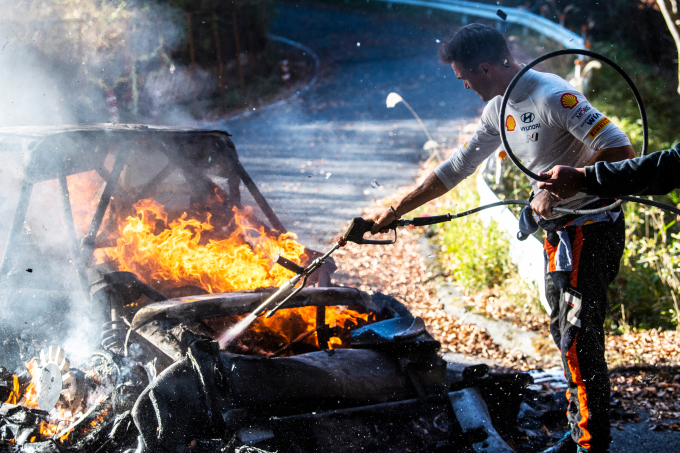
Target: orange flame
[
  {"x": 14, "y": 395},
  {"x": 48, "y": 430},
  {"x": 291, "y": 323},
  {"x": 31, "y": 395},
  {"x": 30, "y": 399},
  {"x": 179, "y": 255}
]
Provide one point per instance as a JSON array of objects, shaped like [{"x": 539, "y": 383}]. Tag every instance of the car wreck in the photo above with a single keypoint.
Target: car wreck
[{"x": 161, "y": 236}]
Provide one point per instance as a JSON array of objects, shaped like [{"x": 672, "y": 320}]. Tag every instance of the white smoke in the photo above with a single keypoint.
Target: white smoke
[{"x": 59, "y": 61}]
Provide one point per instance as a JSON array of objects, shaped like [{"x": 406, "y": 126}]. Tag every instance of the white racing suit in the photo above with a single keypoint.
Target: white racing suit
[{"x": 549, "y": 123}]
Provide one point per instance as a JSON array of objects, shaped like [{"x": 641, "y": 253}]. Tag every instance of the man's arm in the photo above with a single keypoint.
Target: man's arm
[
  {"x": 655, "y": 174},
  {"x": 612, "y": 154},
  {"x": 430, "y": 189},
  {"x": 462, "y": 163}
]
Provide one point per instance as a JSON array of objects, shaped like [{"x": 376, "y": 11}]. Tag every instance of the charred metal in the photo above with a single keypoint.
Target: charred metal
[{"x": 336, "y": 369}]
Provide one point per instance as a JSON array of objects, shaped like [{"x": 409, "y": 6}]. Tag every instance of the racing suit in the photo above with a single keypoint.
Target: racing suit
[{"x": 547, "y": 123}]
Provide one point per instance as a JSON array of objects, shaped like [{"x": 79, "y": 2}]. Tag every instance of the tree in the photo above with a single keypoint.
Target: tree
[{"x": 669, "y": 9}]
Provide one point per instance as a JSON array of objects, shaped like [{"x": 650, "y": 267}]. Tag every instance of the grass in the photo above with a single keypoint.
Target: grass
[{"x": 473, "y": 254}]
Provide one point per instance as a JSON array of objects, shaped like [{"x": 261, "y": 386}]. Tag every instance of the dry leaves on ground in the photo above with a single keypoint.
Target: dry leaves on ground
[
  {"x": 644, "y": 347},
  {"x": 493, "y": 303},
  {"x": 658, "y": 393},
  {"x": 398, "y": 270}
]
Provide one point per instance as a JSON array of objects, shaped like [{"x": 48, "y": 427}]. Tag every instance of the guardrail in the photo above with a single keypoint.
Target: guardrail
[
  {"x": 517, "y": 16},
  {"x": 526, "y": 255}
]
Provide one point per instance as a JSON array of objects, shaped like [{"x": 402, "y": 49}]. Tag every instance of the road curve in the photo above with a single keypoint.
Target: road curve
[{"x": 323, "y": 157}]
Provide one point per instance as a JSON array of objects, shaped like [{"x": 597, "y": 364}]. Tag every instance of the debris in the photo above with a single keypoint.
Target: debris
[{"x": 501, "y": 14}]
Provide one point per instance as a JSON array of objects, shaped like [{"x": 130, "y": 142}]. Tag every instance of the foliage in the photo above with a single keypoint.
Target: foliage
[
  {"x": 610, "y": 93},
  {"x": 474, "y": 255},
  {"x": 646, "y": 290}
]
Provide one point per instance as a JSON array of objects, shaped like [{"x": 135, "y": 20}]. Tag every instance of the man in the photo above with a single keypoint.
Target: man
[
  {"x": 547, "y": 123},
  {"x": 654, "y": 174}
]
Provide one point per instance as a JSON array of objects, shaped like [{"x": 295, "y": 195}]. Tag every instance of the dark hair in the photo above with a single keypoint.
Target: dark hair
[{"x": 474, "y": 44}]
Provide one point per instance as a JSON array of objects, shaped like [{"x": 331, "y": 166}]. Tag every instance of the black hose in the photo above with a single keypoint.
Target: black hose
[
  {"x": 422, "y": 221},
  {"x": 515, "y": 80},
  {"x": 656, "y": 204}
]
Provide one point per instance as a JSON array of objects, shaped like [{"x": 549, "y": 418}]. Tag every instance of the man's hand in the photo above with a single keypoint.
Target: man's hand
[
  {"x": 564, "y": 182},
  {"x": 381, "y": 219},
  {"x": 542, "y": 204}
]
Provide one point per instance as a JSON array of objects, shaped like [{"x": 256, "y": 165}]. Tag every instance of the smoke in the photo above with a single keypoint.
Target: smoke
[
  {"x": 60, "y": 60},
  {"x": 62, "y": 63}
]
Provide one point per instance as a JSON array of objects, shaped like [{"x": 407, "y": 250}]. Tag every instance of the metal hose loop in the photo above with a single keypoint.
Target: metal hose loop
[{"x": 515, "y": 80}]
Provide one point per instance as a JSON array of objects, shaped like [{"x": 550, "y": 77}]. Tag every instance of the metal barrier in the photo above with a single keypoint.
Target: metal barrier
[{"x": 517, "y": 16}]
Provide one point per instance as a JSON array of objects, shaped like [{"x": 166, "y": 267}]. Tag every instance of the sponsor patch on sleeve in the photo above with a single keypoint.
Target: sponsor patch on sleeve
[
  {"x": 568, "y": 101},
  {"x": 598, "y": 127},
  {"x": 578, "y": 114}
]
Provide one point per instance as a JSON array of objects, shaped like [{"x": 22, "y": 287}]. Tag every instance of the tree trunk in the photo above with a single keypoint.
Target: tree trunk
[{"x": 669, "y": 9}]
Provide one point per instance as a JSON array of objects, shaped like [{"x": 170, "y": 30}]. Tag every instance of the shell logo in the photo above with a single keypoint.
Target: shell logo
[
  {"x": 568, "y": 101},
  {"x": 510, "y": 123}
]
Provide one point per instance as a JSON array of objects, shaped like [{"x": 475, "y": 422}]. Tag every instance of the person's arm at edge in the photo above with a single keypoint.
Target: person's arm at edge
[
  {"x": 655, "y": 174},
  {"x": 567, "y": 188},
  {"x": 430, "y": 189}
]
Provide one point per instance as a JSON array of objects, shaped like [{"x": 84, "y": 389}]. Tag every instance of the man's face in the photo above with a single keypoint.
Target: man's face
[{"x": 475, "y": 79}]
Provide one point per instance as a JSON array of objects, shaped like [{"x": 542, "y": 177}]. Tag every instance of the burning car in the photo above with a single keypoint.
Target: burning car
[{"x": 159, "y": 238}]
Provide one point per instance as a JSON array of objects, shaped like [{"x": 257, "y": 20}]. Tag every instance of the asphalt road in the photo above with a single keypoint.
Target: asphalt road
[{"x": 323, "y": 157}]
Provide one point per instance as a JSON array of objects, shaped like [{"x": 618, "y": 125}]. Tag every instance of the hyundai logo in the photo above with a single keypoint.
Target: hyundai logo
[{"x": 527, "y": 117}]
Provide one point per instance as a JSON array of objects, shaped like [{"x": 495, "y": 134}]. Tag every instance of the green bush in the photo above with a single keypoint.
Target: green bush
[
  {"x": 610, "y": 93},
  {"x": 476, "y": 256},
  {"x": 646, "y": 290}
]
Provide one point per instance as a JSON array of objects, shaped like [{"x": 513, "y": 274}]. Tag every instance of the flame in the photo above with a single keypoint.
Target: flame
[
  {"x": 293, "y": 322},
  {"x": 266, "y": 336},
  {"x": 179, "y": 255},
  {"x": 14, "y": 395},
  {"x": 59, "y": 419},
  {"x": 98, "y": 419},
  {"x": 48, "y": 429},
  {"x": 31, "y": 394}
]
